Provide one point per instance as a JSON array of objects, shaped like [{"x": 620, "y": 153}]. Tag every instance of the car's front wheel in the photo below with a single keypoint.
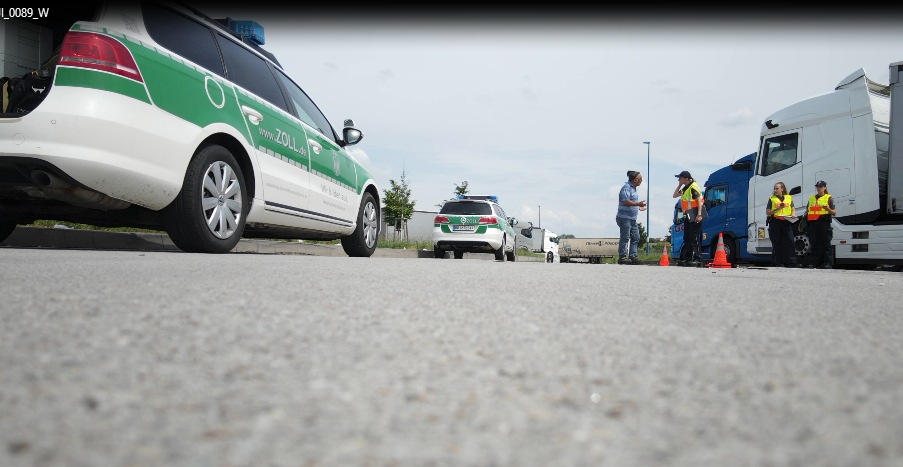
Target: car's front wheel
[
  {"x": 6, "y": 229},
  {"x": 512, "y": 255},
  {"x": 362, "y": 242},
  {"x": 208, "y": 215}
]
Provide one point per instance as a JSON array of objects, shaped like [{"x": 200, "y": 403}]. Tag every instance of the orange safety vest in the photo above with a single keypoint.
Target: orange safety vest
[
  {"x": 687, "y": 201},
  {"x": 785, "y": 211},
  {"x": 817, "y": 207}
]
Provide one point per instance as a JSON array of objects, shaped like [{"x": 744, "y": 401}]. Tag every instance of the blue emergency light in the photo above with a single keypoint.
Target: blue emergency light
[{"x": 493, "y": 198}]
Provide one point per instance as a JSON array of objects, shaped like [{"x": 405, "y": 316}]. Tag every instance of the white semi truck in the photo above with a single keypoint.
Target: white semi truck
[
  {"x": 852, "y": 138},
  {"x": 537, "y": 240}
]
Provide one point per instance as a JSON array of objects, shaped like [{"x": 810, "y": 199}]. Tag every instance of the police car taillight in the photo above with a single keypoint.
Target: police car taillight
[
  {"x": 488, "y": 220},
  {"x": 98, "y": 52},
  {"x": 440, "y": 220}
]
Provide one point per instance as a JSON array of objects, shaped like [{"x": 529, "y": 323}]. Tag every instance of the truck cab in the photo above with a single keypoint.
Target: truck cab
[{"x": 842, "y": 137}]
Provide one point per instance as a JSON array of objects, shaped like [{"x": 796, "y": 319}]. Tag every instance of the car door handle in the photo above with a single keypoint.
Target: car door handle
[
  {"x": 254, "y": 116},
  {"x": 315, "y": 146}
]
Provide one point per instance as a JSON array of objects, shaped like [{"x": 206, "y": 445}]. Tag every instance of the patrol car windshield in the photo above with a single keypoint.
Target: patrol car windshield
[{"x": 470, "y": 209}]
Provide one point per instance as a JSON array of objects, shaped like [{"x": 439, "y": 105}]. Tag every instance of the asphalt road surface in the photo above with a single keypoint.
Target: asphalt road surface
[{"x": 163, "y": 358}]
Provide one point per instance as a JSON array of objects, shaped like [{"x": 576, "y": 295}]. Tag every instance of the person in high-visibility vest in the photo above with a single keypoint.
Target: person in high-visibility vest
[
  {"x": 818, "y": 223},
  {"x": 779, "y": 212},
  {"x": 693, "y": 209}
]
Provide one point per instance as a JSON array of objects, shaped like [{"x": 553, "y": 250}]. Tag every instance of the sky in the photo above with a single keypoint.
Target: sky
[{"x": 549, "y": 112}]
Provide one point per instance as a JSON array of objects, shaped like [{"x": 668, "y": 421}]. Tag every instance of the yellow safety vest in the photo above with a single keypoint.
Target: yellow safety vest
[
  {"x": 687, "y": 201},
  {"x": 785, "y": 211},
  {"x": 817, "y": 207}
]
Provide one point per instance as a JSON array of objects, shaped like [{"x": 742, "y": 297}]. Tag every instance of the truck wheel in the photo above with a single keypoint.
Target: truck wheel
[
  {"x": 362, "y": 242},
  {"x": 500, "y": 253},
  {"x": 459, "y": 255},
  {"x": 550, "y": 257},
  {"x": 801, "y": 245},
  {"x": 208, "y": 215},
  {"x": 6, "y": 228},
  {"x": 564, "y": 259}
]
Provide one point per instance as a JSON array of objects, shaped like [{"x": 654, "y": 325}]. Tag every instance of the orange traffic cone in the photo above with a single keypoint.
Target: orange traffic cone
[
  {"x": 664, "y": 261},
  {"x": 720, "y": 255}
]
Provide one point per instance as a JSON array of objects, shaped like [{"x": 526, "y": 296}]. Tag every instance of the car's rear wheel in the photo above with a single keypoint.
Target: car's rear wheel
[
  {"x": 438, "y": 253},
  {"x": 362, "y": 242},
  {"x": 500, "y": 253},
  {"x": 6, "y": 228},
  {"x": 208, "y": 215},
  {"x": 459, "y": 255},
  {"x": 512, "y": 255}
]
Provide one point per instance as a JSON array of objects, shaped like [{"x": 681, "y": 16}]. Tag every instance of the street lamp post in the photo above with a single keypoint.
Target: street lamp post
[{"x": 648, "y": 145}]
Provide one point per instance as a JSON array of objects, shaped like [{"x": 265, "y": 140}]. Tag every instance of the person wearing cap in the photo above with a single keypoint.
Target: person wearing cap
[
  {"x": 779, "y": 212},
  {"x": 692, "y": 205},
  {"x": 818, "y": 219},
  {"x": 629, "y": 206}
]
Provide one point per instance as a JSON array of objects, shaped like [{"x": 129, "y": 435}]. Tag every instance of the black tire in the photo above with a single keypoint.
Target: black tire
[
  {"x": 550, "y": 257},
  {"x": 500, "y": 253},
  {"x": 6, "y": 229},
  {"x": 438, "y": 253},
  {"x": 459, "y": 255},
  {"x": 512, "y": 255},
  {"x": 209, "y": 214},
  {"x": 564, "y": 259},
  {"x": 362, "y": 242}
]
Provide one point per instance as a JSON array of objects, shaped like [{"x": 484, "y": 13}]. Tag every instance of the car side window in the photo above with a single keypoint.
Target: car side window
[
  {"x": 251, "y": 72},
  {"x": 184, "y": 36},
  {"x": 305, "y": 108}
]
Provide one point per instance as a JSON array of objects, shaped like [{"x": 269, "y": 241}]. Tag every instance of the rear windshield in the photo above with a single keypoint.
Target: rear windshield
[{"x": 472, "y": 209}]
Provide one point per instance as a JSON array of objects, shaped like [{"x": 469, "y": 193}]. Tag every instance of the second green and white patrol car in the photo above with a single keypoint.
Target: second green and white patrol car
[
  {"x": 154, "y": 115},
  {"x": 474, "y": 224}
]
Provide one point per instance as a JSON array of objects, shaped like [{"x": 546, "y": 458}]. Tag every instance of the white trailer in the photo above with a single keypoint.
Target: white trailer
[{"x": 848, "y": 138}]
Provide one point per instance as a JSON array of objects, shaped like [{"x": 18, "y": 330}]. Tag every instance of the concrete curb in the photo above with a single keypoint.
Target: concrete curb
[{"x": 40, "y": 237}]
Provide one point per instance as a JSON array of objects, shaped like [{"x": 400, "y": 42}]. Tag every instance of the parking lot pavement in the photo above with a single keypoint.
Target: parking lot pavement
[{"x": 42, "y": 237}]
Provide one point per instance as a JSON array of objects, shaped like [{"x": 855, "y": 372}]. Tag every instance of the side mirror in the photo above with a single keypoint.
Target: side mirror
[
  {"x": 351, "y": 136},
  {"x": 512, "y": 221}
]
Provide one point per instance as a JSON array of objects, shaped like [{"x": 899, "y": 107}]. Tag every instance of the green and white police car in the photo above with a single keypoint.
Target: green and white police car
[
  {"x": 155, "y": 115},
  {"x": 474, "y": 224}
]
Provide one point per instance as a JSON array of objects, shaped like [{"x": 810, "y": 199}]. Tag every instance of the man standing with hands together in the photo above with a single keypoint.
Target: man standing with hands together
[
  {"x": 628, "y": 208},
  {"x": 691, "y": 205}
]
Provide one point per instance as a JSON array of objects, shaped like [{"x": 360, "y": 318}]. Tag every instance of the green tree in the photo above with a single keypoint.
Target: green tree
[
  {"x": 461, "y": 189},
  {"x": 399, "y": 205},
  {"x": 644, "y": 237}
]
